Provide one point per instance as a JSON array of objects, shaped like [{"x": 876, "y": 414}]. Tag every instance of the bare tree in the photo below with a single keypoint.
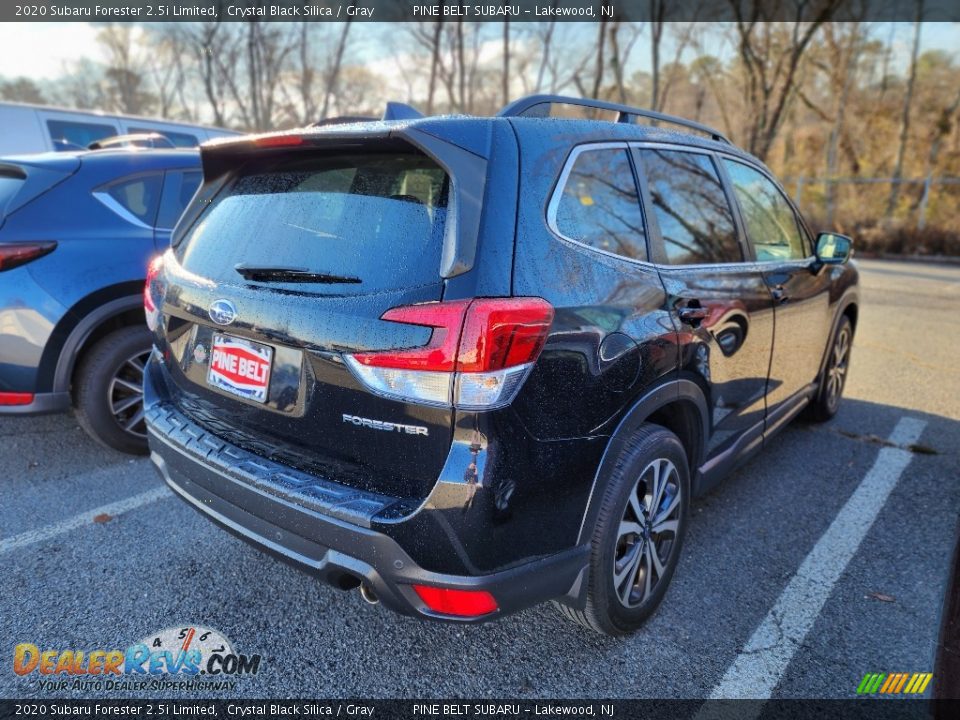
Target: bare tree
[
  {"x": 905, "y": 113},
  {"x": 770, "y": 55},
  {"x": 333, "y": 71},
  {"x": 124, "y": 73},
  {"x": 658, "y": 11}
]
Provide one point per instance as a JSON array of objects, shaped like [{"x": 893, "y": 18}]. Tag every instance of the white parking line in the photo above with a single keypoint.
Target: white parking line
[
  {"x": 77, "y": 521},
  {"x": 756, "y": 672}
]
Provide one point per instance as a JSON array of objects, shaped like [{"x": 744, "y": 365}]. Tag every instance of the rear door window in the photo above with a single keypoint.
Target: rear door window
[
  {"x": 377, "y": 217},
  {"x": 135, "y": 199},
  {"x": 691, "y": 208},
  {"x": 73, "y": 135},
  {"x": 599, "y": 205},
  {"x": 772, "y": 227},
  {"x": 10, "y": 185}
]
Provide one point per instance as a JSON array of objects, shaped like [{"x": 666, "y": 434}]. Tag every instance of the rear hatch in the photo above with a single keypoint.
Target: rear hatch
[{"x": 295, "y": 258}]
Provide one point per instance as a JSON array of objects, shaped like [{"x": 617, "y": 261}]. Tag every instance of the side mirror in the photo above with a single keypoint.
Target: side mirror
[{"x": 833, "y": 249}]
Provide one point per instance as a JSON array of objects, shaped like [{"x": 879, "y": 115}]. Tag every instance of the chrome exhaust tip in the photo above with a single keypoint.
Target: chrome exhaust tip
[{"x": 367, "y": 593}]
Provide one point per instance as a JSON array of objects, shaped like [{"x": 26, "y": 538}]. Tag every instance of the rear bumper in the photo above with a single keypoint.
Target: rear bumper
[
  {"x": 325, "y": 528},
  {"x": 43, "y": 404}
]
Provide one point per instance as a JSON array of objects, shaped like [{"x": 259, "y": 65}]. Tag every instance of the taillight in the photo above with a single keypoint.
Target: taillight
[
  {"x": 478, "y": 356},
  {"x": 16, "y": 254},
  {"x": 274, "y": 141},
  {"x": 149, "y": 296},
  {"x": 458, "y": 603},
  {"x": 15, "y": 398}
]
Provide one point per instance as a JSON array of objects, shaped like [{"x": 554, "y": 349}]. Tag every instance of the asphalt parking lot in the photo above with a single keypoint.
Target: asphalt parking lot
[{"x": 823, "y": 559}]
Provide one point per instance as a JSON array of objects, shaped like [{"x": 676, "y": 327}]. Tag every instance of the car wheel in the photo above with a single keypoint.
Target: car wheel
[
  {"x": 108, "y": 390},
  {"x": 827, "y": 401},
  {"x": 638, "y": 535}
]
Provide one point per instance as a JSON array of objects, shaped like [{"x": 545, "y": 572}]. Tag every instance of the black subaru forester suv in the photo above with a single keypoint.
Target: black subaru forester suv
[{"x": 472, "y": 364}]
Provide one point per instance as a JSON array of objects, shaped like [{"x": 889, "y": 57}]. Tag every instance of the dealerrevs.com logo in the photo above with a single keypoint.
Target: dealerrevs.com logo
[{"x": 179, "y": 658}]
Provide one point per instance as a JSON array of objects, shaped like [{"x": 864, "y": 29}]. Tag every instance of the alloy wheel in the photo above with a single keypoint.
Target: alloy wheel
[
  {"x": 837, "y": 372},
  {"x": 125, "y": 395},
  {"x": 648, "y": 532}
]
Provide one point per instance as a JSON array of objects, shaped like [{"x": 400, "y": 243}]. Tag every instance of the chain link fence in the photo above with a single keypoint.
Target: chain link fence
[{"x": 921, "y": 202}]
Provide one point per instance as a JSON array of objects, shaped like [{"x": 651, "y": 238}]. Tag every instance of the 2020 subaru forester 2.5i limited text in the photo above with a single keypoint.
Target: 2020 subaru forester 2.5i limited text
[{"x": 473, "y": 364}]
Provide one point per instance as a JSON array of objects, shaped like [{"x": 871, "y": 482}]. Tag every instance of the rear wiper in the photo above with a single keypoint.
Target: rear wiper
[{"x": 291, "y": 274}]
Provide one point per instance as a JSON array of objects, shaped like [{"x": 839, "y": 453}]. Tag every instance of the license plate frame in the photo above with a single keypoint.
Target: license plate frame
[{"x": 240, "y": 367}]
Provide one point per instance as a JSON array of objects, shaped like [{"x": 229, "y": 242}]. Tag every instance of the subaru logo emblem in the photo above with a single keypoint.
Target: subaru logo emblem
[{"x": 222, "y": 312}]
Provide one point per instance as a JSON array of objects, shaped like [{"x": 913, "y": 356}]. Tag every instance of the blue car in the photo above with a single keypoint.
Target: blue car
[{"x": 77, "y": 231}]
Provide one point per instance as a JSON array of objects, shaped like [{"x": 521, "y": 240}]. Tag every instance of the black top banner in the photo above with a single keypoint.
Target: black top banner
[
  {"x": 490, "y": 11},
  {"x": 501, "y": 709}
]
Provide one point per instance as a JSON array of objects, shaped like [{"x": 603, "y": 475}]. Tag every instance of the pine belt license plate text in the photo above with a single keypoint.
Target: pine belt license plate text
[{"x": 240, "y": 367}]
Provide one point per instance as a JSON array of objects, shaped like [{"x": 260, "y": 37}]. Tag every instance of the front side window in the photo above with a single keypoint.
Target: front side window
[
  {"x": 599, "y": 205},
  {"x": 691, "y": 209},
  {"x": 772, "y": 226},
  {"x": 72, "y": 135},
  {"x": 138, "y": 197}
]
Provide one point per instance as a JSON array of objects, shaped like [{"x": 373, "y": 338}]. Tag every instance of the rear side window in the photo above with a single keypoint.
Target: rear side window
[
  {"x": 691, "y": 208},
  {"x": 376, "y": 217},
  {"x": 599, "y": 205},
  {"x": 178, "y": 188},
  {"x": 71, "y": 135},
  {"x": 179, "y": 139},
  {"x": 772, "y": 226},
  {"x": 9, "y": 187},
  {"x": 135, "y": 199}
]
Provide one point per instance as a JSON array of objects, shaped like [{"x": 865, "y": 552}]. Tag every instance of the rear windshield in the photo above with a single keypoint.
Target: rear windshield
[{"x": 375, "y": 217}]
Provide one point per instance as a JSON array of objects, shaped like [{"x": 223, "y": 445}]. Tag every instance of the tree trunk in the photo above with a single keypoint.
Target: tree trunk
[
  {"x": 334, "y": 76},
  {"x": 905, "y": 115},
  {"x": 505, "y": 89}
]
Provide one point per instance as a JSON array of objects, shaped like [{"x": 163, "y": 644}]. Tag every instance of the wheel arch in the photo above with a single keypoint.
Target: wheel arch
[
  {"x": 678, "y": 405},
  {"x": 88, "y": 320},
  {"x": 848, "y": 307}
]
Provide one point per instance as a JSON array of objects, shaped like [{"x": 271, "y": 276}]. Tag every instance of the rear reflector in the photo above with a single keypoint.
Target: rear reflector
[
  {"x": 15, "y": 398},
  {"x": 457, "y": 603},
  {"x": 16, "y": 254},
  {"x": 477, "y": 358}
]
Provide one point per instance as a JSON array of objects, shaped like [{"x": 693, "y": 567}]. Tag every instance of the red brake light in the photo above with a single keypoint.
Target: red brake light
[
  {"x": 279, "y": 141},
  {"x": 459, "y": 603},
  {"x": 15, "y": 398},
  {"x": 440, "y": 353},
  {"x": 469, "y": 335},
  {"x": 153, "y": 269},
  {"x": 15, "y": 254},
  {"x": 478, "y": 356},
  {"x": 504, "y": 332}
]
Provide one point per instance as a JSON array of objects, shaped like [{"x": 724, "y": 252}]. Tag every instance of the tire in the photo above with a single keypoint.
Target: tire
[
  {"x": 827, "y": 400},
  {"x": 618, "y": 600},
  {"x": 108, "y": 390}
]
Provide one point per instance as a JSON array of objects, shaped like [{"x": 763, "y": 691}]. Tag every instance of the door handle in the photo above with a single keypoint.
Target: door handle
[
  {"x": 779, "y": 294},
  {"x": 692, "y": 315}
]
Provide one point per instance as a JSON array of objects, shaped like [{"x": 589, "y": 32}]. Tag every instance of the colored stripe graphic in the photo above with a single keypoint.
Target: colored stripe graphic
[{"x": 894, "y": 683}]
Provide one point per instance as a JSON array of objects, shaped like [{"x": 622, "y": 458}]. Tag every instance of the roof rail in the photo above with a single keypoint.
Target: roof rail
[
  {"x": 529, "y": 107},
  {"x": 140, "y": 140}
]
